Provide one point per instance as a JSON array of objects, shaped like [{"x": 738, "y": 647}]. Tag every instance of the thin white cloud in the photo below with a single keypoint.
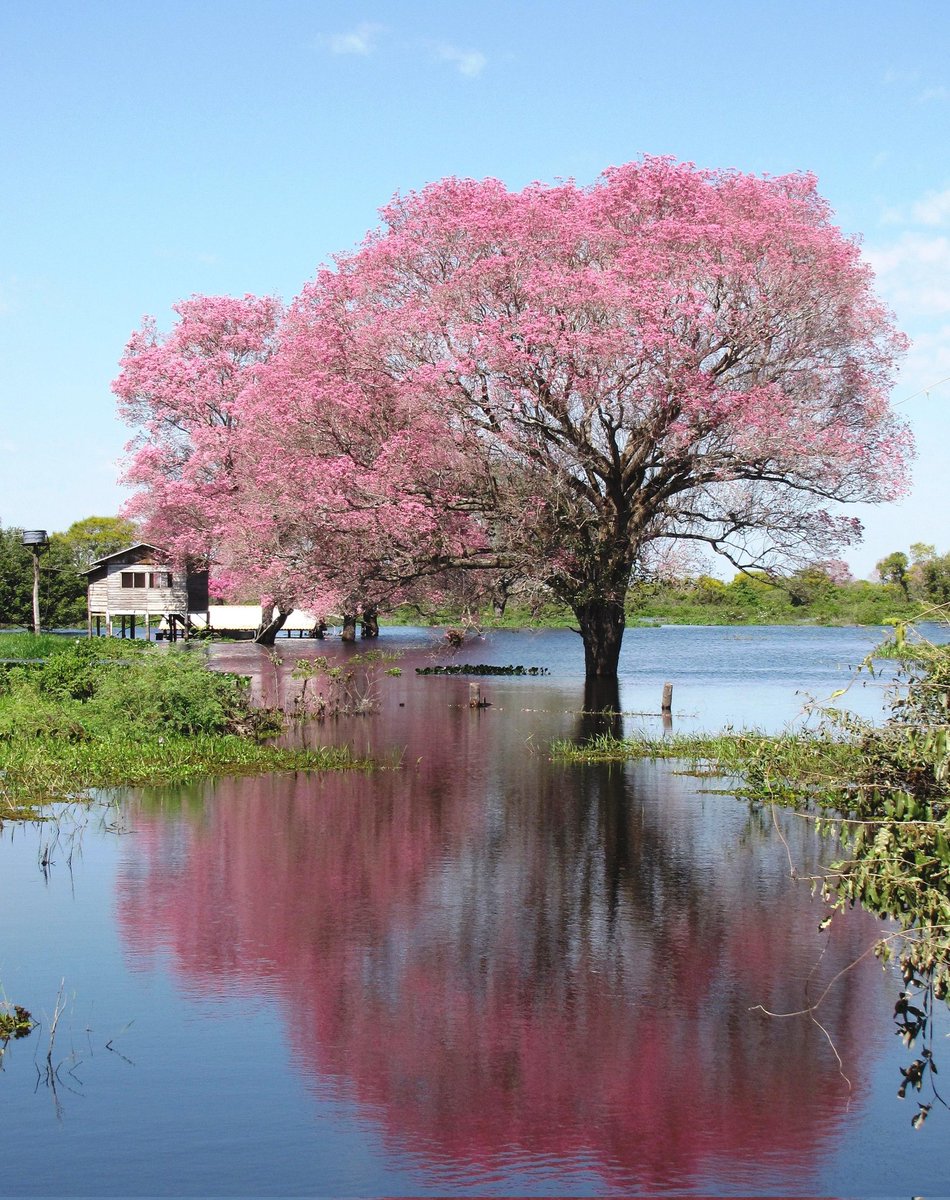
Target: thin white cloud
[
  {"x": 913, "y": 272},
  {"x": 933, "y": 209},
  {"x": 934, "y": 94},
  {"x": 361, "y": 40},
  {"x": 367, "y": 37},
  {"x": 467, "y": 62}
]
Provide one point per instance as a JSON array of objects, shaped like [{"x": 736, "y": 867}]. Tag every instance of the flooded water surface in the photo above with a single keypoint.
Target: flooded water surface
[{"x": 474, "y": 972}]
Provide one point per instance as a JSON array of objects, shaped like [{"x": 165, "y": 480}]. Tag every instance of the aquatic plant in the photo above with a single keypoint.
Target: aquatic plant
[
  {"x": 342, "y": 688},
  {"x": 15, "y": 1022},
  {"x": 480, "y": 669}
]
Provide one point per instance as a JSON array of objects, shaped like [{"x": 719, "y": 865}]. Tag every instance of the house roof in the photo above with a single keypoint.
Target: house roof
[{"x": 107, "y": 558}]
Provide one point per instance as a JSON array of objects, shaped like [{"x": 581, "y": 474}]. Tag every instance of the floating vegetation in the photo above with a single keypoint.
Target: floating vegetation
[
  {"x": 480, "y": 669},
  {"x": 15, "y": 1022}
]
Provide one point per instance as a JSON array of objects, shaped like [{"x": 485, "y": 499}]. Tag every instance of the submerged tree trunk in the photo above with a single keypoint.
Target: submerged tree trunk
[
  {"x": 601, "y": 624},
  {"x": 369, "y": 623},
  {"x": 269, "y": 630},
  {"x": 349, "y": 628},
  {"x": 601, "y": 713}
]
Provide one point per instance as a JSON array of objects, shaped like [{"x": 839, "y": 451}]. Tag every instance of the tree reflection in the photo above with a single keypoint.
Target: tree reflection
[{"x": 500, "y": 954}]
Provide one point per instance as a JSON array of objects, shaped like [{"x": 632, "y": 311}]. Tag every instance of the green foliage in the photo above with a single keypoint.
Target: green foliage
[
  {"x": 812, "y": 595},
  {"x": 73, "y": 674},
  {"x": 170, "y": 691},
  {"x": 15, "y": 1022},
  {"x": 94, "y": 537},
  {"x": 16, "y": 579},
  {"x": 107, "y": 712},
  {"x": 62, "y": 587},
  {"x": 30, "y": 645},
  {"x": 893, "y": 569},
  {"x": 808, "y": 596}
]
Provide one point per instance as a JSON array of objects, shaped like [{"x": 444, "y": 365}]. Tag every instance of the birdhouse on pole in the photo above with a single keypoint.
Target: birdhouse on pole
[{"x": 36, "y": 541}]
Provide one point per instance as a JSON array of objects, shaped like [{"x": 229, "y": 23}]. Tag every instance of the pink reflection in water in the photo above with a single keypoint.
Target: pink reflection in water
[{"x": 502, "y": 959}]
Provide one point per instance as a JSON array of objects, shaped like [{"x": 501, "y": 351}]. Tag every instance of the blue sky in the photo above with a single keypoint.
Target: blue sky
[{"x": 151, "y": 151}]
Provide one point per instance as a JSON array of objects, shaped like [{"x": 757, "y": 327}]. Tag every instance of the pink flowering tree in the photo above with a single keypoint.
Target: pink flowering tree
[
  {"x": 278, "y": 471},
  {"x": 670, "y": 355},
  {"x": 185, "y": 393},
  {"x": 560, "y": 386}
]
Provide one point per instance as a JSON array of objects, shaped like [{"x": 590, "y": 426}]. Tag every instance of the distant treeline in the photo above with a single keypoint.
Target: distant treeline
[{"x": 909, "y": 586}]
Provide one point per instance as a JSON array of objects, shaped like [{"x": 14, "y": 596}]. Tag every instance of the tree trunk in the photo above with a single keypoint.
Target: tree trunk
[
  {"x": 369, "y": 624},
  {"x": 349, "y": 629},
  {"x": 601, "y": 626},
  {"x": 601, "y": 713},
  {"x": 269, "y": 630}
]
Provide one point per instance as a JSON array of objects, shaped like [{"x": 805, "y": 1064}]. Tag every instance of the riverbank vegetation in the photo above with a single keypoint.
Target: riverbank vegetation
[
  {"x": 79, "y": 714},
  {"x": 822, "y": 594}
]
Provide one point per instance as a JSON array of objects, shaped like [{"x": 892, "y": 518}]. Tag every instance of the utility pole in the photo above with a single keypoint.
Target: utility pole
[{"x": 35, "y": 541}]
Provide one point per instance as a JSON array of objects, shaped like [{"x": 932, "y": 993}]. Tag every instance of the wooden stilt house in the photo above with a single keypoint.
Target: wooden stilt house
[{"x": 138, "y": 583}]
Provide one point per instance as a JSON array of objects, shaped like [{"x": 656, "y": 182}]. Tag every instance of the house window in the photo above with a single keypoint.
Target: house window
[{"x": 146, "y": 579}]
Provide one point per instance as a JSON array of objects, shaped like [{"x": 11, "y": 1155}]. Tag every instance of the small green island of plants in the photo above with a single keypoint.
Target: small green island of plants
[{"x": 81, "y": 714}]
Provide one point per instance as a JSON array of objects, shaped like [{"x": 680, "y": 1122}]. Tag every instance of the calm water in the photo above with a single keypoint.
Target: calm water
[{"x": 476, "y": 972}]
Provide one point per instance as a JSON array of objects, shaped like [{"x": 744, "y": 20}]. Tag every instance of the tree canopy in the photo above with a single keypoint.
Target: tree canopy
[{"x": 554, "y": 386}]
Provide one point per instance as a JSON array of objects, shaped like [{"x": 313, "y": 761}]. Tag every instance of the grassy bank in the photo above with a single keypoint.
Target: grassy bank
[{"x": 108, "y": 713}]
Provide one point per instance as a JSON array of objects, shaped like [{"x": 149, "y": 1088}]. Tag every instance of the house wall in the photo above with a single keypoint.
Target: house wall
[{"x": 106, "y": 593}]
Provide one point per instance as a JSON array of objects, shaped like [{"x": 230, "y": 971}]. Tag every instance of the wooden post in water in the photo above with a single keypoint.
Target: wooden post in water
[
  {"x": 475, "y": 696},
  {"x": 667, "y": 703}
]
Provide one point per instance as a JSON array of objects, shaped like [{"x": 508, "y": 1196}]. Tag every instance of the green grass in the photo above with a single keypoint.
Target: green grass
[
  {"x": 34, "y": 773},
  {"x": 789, "y": 767},
  {"x": 30, "y": 645},
  {"x": 108, "y": 713}
]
